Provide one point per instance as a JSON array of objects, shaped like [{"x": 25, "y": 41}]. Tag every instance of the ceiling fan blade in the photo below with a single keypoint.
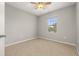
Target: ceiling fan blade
[
  {"x": 33, "y": 2},
  {"x": 48, "y": 3}
]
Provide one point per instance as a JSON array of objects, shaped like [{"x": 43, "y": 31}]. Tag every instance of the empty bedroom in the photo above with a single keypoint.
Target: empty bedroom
[{"x": 41, "y": 29}]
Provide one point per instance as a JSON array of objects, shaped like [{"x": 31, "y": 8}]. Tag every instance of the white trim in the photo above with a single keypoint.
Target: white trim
[
  {"x": 42, "y": 38},
  {"x": 59, "y": 41},
  {"x": 19, "y": 42}
]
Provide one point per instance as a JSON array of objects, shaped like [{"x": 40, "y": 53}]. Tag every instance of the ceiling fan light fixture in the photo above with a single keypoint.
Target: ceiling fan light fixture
[{"x": 41, "y": 5}]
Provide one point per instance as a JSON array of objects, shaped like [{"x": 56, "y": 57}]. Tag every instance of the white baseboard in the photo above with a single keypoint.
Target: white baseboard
[
  {"x": 39, "y": 37},
  {"x": 59, "y": 41},
  {"x": 20, "y": 41}
]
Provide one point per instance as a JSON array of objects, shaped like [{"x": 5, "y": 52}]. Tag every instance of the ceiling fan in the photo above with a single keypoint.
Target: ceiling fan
[{"x": 40, "y": 5}]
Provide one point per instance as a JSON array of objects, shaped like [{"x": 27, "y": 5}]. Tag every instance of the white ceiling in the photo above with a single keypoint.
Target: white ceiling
[{"x": 28, "y": 7}]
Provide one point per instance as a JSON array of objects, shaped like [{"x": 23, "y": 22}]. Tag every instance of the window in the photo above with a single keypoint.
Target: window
[{"x": 52, "y": 24}]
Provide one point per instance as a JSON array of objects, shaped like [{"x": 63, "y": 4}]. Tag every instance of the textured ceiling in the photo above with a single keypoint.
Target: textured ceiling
[{"x": 28, "y": 7}]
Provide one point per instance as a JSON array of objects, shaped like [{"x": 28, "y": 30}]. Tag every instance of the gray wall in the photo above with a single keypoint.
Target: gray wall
[
  {"x": 78, "y": 27},
  {"x": 2, "y": 32},
  {"x": 20, "y": 25},
  {"x": 2, "y": 20},
  {"x": 66, "y": 27}
]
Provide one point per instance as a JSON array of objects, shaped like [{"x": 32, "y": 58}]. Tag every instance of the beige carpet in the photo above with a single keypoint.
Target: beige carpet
[{"x": 40, "y": 47}]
